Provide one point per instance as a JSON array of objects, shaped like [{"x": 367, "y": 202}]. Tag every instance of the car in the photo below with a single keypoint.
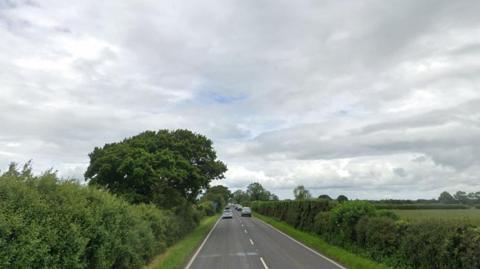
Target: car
[
  {"x": 246, "y": 212},
  {"x": 227, "y": 214},
  {"x": 239, "y": 208}
]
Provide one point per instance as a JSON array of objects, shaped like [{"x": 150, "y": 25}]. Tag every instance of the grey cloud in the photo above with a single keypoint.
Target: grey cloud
[{"x": 375, "y": 84}]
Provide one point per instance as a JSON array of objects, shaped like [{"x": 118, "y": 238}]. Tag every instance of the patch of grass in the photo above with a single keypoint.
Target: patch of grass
[
  {"x": 178, "y": 255},
  {"x": 340, "y": 255},
  {"x": 465, "y": 215}
]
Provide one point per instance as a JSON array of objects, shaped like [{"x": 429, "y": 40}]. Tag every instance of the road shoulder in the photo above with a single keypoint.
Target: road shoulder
[{"x": 180, "y": 253}]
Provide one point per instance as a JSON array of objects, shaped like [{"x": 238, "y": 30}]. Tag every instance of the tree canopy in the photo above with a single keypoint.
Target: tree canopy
[
  {"x": 240, "y": 197},
  {"x": 446, "y": 198},
  {"x": 301, "y": 193},
  {"x": 164, "y": 167},
  {"x": 219, "y": 195},
  {"x": 342, "y": 198},
  {"x": 256, "y": 192},
  {"x": 325, "y": 196}
]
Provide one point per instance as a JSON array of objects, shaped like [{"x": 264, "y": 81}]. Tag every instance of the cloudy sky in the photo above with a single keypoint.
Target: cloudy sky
[{"x": 374, "y": 99}]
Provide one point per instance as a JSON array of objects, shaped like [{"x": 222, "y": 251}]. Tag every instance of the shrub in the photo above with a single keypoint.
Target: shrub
[
  {"x": 207, "y": 208},
  {"x": 300, "y": 214},
  {"x": 346, "y": 215},
  {"x": 464, "y": 248},
  {"x": 47, "y": 223},
  {"x": 378, "y": 235},
  {"x": 424, "y": 244}
]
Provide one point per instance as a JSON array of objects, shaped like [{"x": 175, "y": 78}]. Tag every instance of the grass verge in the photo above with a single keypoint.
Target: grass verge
[
  {"x": 178, "y": 255},
  {"x": 340, "y": 255}
]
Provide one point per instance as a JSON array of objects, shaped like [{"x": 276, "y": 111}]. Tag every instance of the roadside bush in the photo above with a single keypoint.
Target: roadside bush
[
  {"x": 323, "y": 225},
  {"x": 346, "y": 215},
  {"x": 207, "y": 208},
  {"x": 464, "y": 248},
  {"x": 378, "y": 235},
  {"x": 47, "y": 223},
  {"x": 300, "y": 214},
  {"x": 424, "y": 244}
]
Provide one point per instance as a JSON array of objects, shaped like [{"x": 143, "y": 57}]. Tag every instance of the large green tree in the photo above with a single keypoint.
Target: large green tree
[
  {"x": 240, "y": 197},
  {"x": 220, "y": 195},
  {"x": 256, "y": 192},
  {"x": 446, "y": 198},
  {"x": 165, "y": 167}
]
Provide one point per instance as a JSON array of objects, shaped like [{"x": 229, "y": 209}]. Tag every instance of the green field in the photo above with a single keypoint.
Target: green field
[{"x": 467, "y": 215}]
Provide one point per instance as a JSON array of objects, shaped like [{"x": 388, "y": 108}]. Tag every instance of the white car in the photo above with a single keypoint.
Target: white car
[
  {"x": 227, "y": 214},
  {"x": 246, "y": 212}
]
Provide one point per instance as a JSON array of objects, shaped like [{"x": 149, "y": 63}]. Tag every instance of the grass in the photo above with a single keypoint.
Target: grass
[
  {"x": 466, "y": 215},
  {"x": 340, "y": 255},
  {"x": 178, "y": 255}
]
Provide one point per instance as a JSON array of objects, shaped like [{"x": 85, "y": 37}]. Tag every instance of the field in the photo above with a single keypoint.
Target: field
[{"x": 467, "y": 215}]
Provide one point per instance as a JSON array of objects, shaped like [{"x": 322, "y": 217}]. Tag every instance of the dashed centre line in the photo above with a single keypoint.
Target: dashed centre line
[
  {"x": 251, "y": 242},
  {"x": 263, "y": 262}
]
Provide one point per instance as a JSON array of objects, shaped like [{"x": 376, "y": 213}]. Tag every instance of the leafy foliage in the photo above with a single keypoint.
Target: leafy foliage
[
  {"x": 240, "y": 197},
  {"x": 164, "y": 167},
  {"x": 47, "y": 223},
  {"x": 256, "y": 192},
  {"x": 218, "y": 197},
  {"x": 301, "y": 193}
]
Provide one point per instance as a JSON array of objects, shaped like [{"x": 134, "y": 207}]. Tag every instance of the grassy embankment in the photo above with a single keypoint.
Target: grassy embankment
[
  {"x": 178, "y": 255},
  {"x": 340, "y": 255},
  {"x": 465, "y": 215}
]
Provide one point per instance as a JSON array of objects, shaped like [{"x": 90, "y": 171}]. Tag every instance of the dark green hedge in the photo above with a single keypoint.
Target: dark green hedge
[
  {"x": 421, "y": 206},
  {"x": 300, "y": 214},
  {"x": 380, "y": 235},
  {"x": 46, "y": 223}
]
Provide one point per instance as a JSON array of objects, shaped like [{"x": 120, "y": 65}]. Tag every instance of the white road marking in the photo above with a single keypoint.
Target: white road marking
[
  {"x": 263, "y": 262},
  {"x": 240, "y": 254},
  {"x": 201, "y": 246},
  {"x": 246, "y": 231},
  {"x": 301, "y": 244},
  {"x": 251, "y": 242}
]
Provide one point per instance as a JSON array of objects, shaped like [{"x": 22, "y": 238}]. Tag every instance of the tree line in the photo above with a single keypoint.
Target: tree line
[{"x": 460, "y": 197}]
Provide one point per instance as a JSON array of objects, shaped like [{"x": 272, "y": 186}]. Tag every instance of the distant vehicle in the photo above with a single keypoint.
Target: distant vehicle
[
  {"x": 239, "y": 208},
  {"x": 227, "y": 214},
  {"x": 246, "y": 212}
]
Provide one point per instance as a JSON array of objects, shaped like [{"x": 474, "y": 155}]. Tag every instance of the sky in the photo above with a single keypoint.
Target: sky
[{"x": 372, "y": 99}]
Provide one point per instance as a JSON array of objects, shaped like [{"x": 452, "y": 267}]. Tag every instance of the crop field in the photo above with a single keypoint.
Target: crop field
[{"x": 467, "y": 215}]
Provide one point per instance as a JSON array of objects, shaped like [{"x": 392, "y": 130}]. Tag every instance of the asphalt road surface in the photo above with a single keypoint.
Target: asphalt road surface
[{"x": 248, "y": 243}]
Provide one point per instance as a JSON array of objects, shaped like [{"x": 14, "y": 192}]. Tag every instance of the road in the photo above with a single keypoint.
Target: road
[{"x": 248, "y": 243}]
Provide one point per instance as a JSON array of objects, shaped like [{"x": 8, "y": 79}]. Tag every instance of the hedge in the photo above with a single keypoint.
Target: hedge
[
  {"x": 299, "y": 214},
  {"x": 380, "y": 235},
  {"x": 47, "y": 223}
]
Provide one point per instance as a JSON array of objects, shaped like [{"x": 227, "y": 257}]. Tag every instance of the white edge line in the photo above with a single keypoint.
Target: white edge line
[
  {"x": 201, "y": 246},
  {"x": 301, "y": 244},
  {"x": 263, "y": 262}
]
